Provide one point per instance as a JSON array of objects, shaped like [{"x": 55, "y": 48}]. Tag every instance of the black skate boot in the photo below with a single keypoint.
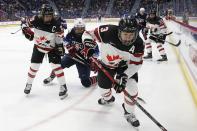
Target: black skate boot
[
  {"x": 163, "y": 58},
  {"x": 49, "y": 79},
  {"x": 27, "y": 88},
  {"x": 102, "y": 101},
  {"x": 63, "y": 92},
  {"x": 148, "y": 56},
  {"x": 130, "y": 117}
]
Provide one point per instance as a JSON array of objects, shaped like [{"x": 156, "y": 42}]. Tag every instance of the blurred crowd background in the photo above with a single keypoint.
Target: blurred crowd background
[{"x": 14, "y": 9}]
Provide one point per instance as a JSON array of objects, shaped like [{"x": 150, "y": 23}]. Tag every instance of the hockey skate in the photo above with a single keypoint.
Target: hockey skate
[
  {"x": 63, "y": 92},
  {"x": 163, "y": 58},
  {"x": 27, "y": 88},
  {"x": 102, "y": 101},
  {"x": 131, "y": 118},
  {"x": 49, "y": 79},
  {"x": 148, "y": 56}
]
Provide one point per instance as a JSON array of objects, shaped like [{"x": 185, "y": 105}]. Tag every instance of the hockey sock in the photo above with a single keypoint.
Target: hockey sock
[
  {"x": 32, "y": 72},
  {"x": 57, "y": 69},
  {"x": 93, "y": 80},
  {"x": 161, "y": 49}
]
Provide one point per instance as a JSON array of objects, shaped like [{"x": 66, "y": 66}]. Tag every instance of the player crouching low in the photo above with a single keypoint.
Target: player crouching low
[{"x": 74, "y": 45}]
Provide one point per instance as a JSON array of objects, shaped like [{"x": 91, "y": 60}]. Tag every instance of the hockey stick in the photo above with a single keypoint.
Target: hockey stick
[
  {"x": 77, "y": 60},
  {"x": 81, "y": 60},
  {"x": 165, "y": 34},
  {"x": 127, "y": 94},
  {"x": 150, "y": 28},
  {"x": 16, "y": 31},
  {"x": 168, "y": 33},
  {"x": 177, "y": 44}
]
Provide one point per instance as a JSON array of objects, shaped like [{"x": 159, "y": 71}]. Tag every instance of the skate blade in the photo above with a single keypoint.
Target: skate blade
[
  {"x": 63, "y": 97},
  {"x": 148, "y": 59},
  {"x": 27, "y": 95},
  {"x": 162, "y": 62},
  {"x": 50, "y": 84},
  {"x": 136, "y": 128},
  {"x": 108, "y": 104}
]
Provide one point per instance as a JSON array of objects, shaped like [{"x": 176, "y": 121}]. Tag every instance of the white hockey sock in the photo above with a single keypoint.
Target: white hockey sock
[
  {"x": 161, "y": 49},
  {"x": 59, "y": 73},
  {"x": 106, "y": 93},
  {"x": 32, "y": 72},
  {"x": 133, "y": 92},
  {"x": 93, "y": 80},
  {"x": 148, "y": 47}
]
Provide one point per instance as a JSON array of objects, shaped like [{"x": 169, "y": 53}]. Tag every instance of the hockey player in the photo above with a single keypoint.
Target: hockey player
[
  {"x": 47, "y": 36},
  {"x": 60, "y": 19},
  {"x": 99, "y": 18},
  {"x": 141, "y": 18},
  {"x": 158, "y": 30},
  {"x": 121, "y": 54},
  {"x": 63, "y": 23},
  {"x": 73, "y": 42}
]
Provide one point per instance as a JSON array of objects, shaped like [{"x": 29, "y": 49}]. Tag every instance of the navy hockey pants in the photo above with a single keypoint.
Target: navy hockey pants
[{"x": 83, "y": 70}]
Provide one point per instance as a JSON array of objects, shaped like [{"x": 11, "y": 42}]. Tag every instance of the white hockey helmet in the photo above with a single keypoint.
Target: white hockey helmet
[
  {"x": 78, "y": 22},
  {"x": 142, "y": 10},
  {"x": 79, "y": 26}
]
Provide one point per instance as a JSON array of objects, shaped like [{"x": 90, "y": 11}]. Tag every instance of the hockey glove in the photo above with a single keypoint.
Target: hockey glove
[
  {"x": 121, "y": 82},
  {"x": 93, "y": 66},
  {"x": 59, "y": 49},
  {"x": 145, "y": 31},
  {"x": 88, "y": 50},
  {"x": 161, "y": 36},
  {"x": 122, "y": 66},
  {"x": 152, "y": 37},
  {"x": 155, "y": 29},
  {"x": 71, "y": 49},
  {"x": 29, "y": 34}
]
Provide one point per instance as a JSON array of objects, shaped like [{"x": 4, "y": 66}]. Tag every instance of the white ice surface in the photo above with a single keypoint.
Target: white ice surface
[{"x": 162, "y": 86}]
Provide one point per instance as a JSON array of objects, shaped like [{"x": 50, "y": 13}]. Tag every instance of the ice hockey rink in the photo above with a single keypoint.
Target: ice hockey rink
[{"x": 162, "y": 86}]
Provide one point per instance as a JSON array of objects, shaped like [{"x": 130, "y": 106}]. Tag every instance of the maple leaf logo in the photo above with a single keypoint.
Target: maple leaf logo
[
  {"x": 113, "y": 57},
  {"x": 41, "y": 39}
]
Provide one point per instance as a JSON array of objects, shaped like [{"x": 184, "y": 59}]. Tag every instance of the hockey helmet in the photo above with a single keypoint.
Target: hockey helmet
[
  {"x": 47, "y": 13},
  {"x": 79, "y": 26},
  {"x": 142, "y": 11},
  {"x": 128, "y": 30},
  {"x": 153, "y": 12},
  {"x": 46, "y": 9}
]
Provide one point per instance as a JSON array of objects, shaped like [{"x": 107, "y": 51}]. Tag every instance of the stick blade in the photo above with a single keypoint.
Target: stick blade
[
  {"x": 178, "y": 43},
  {"x": 169, "y": 33}
]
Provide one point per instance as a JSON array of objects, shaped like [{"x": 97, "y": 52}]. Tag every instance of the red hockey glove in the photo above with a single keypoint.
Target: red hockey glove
[
  {"x": 93, "y": 66},
  {"x": 29, "y": 34},
  {"x": 88, "y": 50}
]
